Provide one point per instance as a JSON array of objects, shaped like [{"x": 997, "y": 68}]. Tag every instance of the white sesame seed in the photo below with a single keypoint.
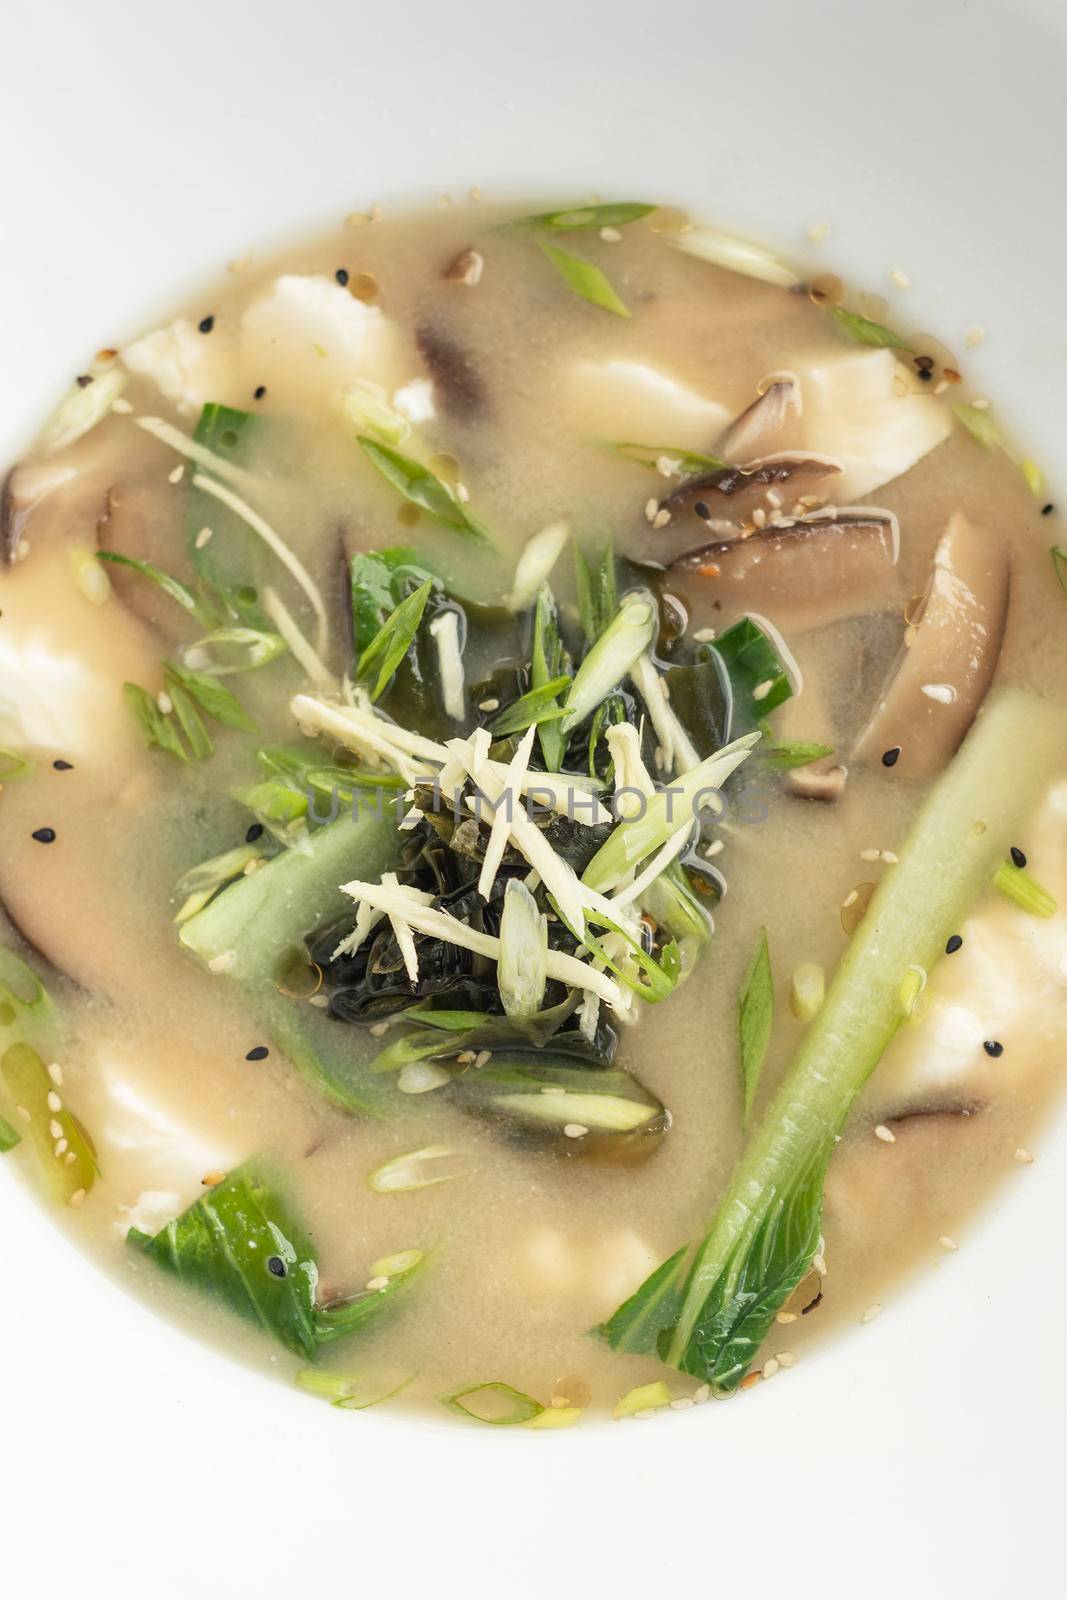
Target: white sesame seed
[
  {"x": 786, "y": 1358},
  {"x": 23, "y": 1113},
  {"x": 704, "y": 635},
  {"x": 762, "y": 690},
  {"x": 974, "y": 336},
  {"x": 23, "y": 550},
  {"x": 378, "y": 1028},
  {"x": 770, "y": 1367},
  {"x": 483, "y": 1058},
  {"x": 62, "y": 1146},
  {"x": 491, "y": 704},
  {"x": 946, "y": 1243},
  {"x": 871, "y": 1313},
  {"x": 941, "y": 386},
  {"x": 575, "y": 1130},
  {"x": 178, "y": 474},
  {"x": 610, "y": 235},
  {"x": 70, "y": 1158},
  {"x": 773, "y": 497},
  {"x": 786, "y": 1316},
  {"x": 224, "y": 962},
  {"x": 886, "y": 1135},
  {"x": 321, "y": 1001},
  {"x": 890, "y": 858},
  {"x": 77, "y": 1197},
  {"x": 651, "y": 508},
  {"x": 55, "y": 1128},
  {"x": 648, "y": 1411},
  {"x": 819, "y": 1264},
  {"x": 123, "y": 407},
  {"x": 817, "y": 231},
  {"x": 759, "y": 517},
  {"x": 683, "y": 1403},
  {"x": 869, "y": 855},
  {"x": 900, "y": 278},
  {"x": 463, "y": 494},
  {"x": 667, "y": 466},
  {"x": 164, "y": 702},
  {"x": 1023, "y": 1156},
  {"x": 980, "y": 403},
  {"x": 850, "y": 899},
  {"x": 661, "y": 519},
  {"x": 715, "y": 848},
  {"x": 55, "y": 1072},
  {"x": 202, "y": 537},
  {"x": 377, "y": 1283},
  {"x": 54, "y": 1102},
  {"x": 701, "y": 1393}
]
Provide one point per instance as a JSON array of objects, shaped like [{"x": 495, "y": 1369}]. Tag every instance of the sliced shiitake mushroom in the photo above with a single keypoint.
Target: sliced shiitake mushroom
[
  {"x": 813, "y": 570},
  {"x": 757, "y": 431},
  {"x": 950, "y": 652},
  {"x": 460, "y": 386},
  {"x": 744, "y": 487},
  {"x": 24, "y": 487}
]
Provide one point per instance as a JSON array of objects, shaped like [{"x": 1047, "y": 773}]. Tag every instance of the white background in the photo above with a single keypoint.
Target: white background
[{"x": 919, "y": 1456}]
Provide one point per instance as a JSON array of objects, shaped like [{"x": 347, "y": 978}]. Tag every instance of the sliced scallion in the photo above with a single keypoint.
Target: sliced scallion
[
  {"x": 522, "y": 971},
  {"x": 1017, "y": 884}
]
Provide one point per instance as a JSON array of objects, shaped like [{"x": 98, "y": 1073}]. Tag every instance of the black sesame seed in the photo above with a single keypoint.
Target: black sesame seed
[
  {"x": 276, "y": 1266},
  {"x": 955, "y": 943},
  {"x": 63, "y": 766},
  {"x": 342, "y": 276},
  {"x": 925, "y": 374},
  {"x": 83, "y": 380},
  {"x": 255, "y": 832},
  {"x": 206, "y": 324},
  {"x": 1047, "y": 510},
  {"x": 703, "y": 510},
  {"x": 993, "y": 1047},
  {"x": 259, "y": 1053},
  {"x": 44, "y": 835},
  {"x": 1018, "y": 856},
  {"x": 259, "y": 392},
  {"x": 891, "y": 757}
]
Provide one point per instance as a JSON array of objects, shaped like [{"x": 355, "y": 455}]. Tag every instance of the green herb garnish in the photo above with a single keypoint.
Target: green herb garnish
[
  {"x": 585, "y": 279},
  {"x": 598, "y": 592},
  {"x": 240, "y": 1244},
  {"x": 212, "y": 697},
  {"x": 422, "y": 488},
  {"x": 863, "y": 331},
  {"x": 786, "y": 754},
  {"x": 980, "y": 426},
  {"x": 394, "y": 639},
  {"x": 613, "y": 214},
  {"x": 759, "y": 680},
  {"x": 755, "y": 1017},
  {"x": 535, "y": 706},
  {"x": 689, "y": 461},
  {"x": 225, "y": 563},
  {"x": 171, "y": 587},
  {"x": 1017, "y": 884},
  {"x": 499, "y": 1404}
]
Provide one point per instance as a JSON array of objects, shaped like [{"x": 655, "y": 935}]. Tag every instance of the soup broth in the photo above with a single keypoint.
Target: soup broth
[{"x": 825, "y": 551}]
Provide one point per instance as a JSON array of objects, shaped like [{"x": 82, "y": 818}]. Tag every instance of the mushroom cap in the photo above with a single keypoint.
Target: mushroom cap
[
  {"x": 813, "y": 570},
  {"x": 940, "y": 678}
]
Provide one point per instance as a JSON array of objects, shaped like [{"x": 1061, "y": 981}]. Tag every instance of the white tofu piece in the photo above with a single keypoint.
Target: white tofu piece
[
  {"x": 870, "y": 412},
  {"x": 631, "y": 402},
  {"x": 308, "y": 337},
  {"x": 190, "y": 367},
  {"x": 1008, "y": 982}
]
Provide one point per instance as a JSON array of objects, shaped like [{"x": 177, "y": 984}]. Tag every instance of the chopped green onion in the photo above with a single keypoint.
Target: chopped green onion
[
  {"x": 1017, "y": 884},
  {"x": 556, "y": 1417},
  {"x": 422, "y": 488},
  {"x": 414, "y": 1170},
  {"x": 9, "y": 1138},
  {"x": 534, "y": 707},
  {"x": 522, "y": 971},
  {"x": 394, "y": 639},
  {"x": 188, "y": 719},
  {"x": 598, "y": 595},
  {"x": 613, "y": 214},
  {"x": 735, "y": 255},
  {"x": 12, "y": 766},
  {"x": 1059, "y": 565},
  {"x": 622, "y": 643},
  {"x": 366, "y": 405},
  {"x": 29, "y": 1084},
  {"x": 353, "y": 1391},
  {"x": 171, "y": 587},
  {"x": 585, "y": 279},
  {"x": 156, "y": 726},
  {"x": 230, "y": 650},
  {"x": 646, "y": 1397},
  {"x": 784, "y": 755},
  {"x": 1035, "y": 478},
  {"x": 863, "y": 331},
  {"x": 212, "y": 697},
  {"x": 548, "y": 662},
  {"x": 495, "y": 1403},
  {"x": 980, "y": 426},
  {"x": 631, "y": 842},
  {"x": 539, "y": 555},
  {"x": 197, "y": 886},
  {"x": 688, "y": 461},
  {"x": 755, "y": 1017}
]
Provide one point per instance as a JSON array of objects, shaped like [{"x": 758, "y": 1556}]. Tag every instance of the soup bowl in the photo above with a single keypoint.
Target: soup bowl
[{"x": 147, "y": 147}]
